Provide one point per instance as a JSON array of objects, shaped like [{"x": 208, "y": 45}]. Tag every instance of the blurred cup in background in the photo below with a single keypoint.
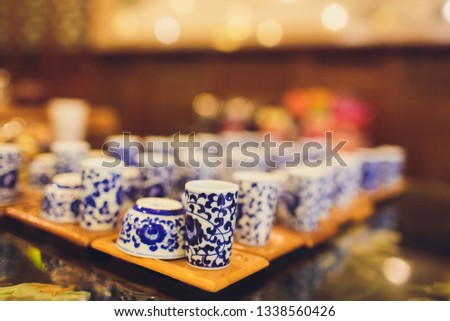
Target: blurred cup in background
[{"x": 68, "y": 118}]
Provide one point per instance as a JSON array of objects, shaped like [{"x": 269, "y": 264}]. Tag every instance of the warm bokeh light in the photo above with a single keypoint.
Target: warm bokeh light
[
  {"x": 182, "y": 7},
  {"x": 125, "y": 24},
  {"x": 238, "y": 26},
  {"x": 206, "y": 105},
  {"x": 222, "y": 41},
  {"x": 446, "y": 11},
  {"x": 334, "y": 17},
  {"x": 396, "y": 270},
  {"x": 239, "y": 109},
  {"x": 167, "y": 30},
  {"x": 269, "y": 33}
]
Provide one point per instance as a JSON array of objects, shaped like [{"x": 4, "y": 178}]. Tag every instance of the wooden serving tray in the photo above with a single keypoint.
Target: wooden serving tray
[
  {"x": 281, "y": 242},
  {"x": 241, "y": 266},
  {"x": 24, "y": 196},
  {"x": 29, "y": 213}
]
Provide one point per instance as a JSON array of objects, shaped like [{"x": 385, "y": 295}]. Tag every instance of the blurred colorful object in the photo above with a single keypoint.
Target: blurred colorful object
[
  {"x": 41, "y": 292},
  {"x": 319, "y": 109}
]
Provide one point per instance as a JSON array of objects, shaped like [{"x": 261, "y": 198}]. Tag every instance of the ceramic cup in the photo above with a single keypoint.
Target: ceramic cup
[
  {"x": 158, "y": 144},
  {"x": 305, "y": 192},
  {"x": 101, "y": 195},
  {"x": 68, "y": 118},
  {"x": 371, "y": 169},
  {"x": 41, "y": 170},
  {"x": 131, "y": 186},
  {"x": 9, "y": 171},
  {"x": 258, "y": 194},
  {"x": 210, "y": 218},
  {"x": 154, "y": 228},
  {"x": 124, "y": 147},
  {"x": 346, "y": 180},
  {"x": 156, "y": 174},
  {"x": 392, "y": 164},
  {"x": 62, "y": 198},
  {"x": 69, "y": 155}
]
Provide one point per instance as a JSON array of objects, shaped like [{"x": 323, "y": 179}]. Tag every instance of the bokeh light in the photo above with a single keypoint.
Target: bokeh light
[
  {"x": 167, "y": 30},
  {"x": 269, "y": 33},
  {"x": 334, "y": 17}
]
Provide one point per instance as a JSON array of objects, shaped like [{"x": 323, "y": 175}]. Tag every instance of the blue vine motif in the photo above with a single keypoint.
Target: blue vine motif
[
  {"x": 152, "y": 235},
  {"x": 210, "y": 220}
]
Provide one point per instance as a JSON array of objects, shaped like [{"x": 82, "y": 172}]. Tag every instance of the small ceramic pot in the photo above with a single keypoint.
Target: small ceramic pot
[
  {"x": 41, "y": 170},
  {"x": 156, "y": 174},
  {"x": 210, "y": 219},
  {"x": 62, "y": 199},
  {"x": 124, "y": 147},
  {"x": 69, "y": 155},
  {"x": 346, "y": 180},
  {"x": 392, "y": 164},
  {"x": 9, "y": 171},
  {"x": 101, "y": 195},
  {"x": 258, "y": 194},
  {"x": 131, "y": 186},
  {"x": 305, "y": 192},
  {"x": 153, "y": 228}
]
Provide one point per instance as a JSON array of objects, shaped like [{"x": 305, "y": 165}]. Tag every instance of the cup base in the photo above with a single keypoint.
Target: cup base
[
  {"x": 62, "y": 221},
  {"x": 161, "y": 257},
  {"x": 208, "y": 268}
]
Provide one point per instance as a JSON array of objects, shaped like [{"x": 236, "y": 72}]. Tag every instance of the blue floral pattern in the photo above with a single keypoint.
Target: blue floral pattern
[
  {"x": 151, "y": 235},
  {"x": 9, "y": 165},
  {"x": 61, "y": 204},
  {"x": 210, "y": 220},
  {"x": 101, "y": 199},
  {"x": 255, "y": 212}
]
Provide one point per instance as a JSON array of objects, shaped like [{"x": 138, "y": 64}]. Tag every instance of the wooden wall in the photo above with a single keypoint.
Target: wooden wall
[{"x": 408, "y": 87}]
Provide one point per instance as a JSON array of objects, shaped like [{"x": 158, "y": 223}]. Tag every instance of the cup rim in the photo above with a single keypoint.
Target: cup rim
[
  {"x": 256, "y": 176},
  {"x": 211, "y": 186},
  {"x": 310, "y": 172},
  {"x": 67, "y": 180},
  {"x": 158, "y": 206},
  {"x": 9, "y": 147},
  {"x": 70, "y": 145}
]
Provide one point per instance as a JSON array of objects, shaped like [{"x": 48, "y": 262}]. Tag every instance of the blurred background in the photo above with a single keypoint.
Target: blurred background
[{"x": 375, "y": 71}]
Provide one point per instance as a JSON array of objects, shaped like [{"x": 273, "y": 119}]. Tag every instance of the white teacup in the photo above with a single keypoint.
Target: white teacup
[{"x": 62, "y": 198}]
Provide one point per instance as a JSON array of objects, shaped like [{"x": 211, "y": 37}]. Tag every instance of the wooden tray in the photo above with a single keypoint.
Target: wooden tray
[
  {"x": 385, "y": 194},
  {"x": 24, "y": 196},
  {"x": 241, "y": 266},
  {"x": 281, "y": 242},
  {"x": 29, "y": 213}
]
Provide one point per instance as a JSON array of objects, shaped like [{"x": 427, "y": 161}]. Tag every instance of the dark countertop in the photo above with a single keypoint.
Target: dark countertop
[{"x": 401, "y": 253}]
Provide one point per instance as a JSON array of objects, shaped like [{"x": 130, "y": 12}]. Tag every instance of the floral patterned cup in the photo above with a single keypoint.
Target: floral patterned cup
[
  {"x": 101, "y": 195},
  {"x": 153, "y": 228},
  {"x": 124, "y": 147},
  {"x": 9, "y": 171},
  {"x": 306, "y": 192},
  {"x": 69, "y": 155},
  {"x": 210, "y": 218},
  {"x": 156, "y": 174},
  {"x": 258, "y": 194},
  {"x": 62, "y": 198},
  {"x": 41, "y": 170}
]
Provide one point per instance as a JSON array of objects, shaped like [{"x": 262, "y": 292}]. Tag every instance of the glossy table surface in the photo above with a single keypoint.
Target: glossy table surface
[{"x": 401, "y": 253}]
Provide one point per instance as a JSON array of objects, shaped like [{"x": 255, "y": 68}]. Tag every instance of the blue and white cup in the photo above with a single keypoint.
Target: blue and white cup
[
  {"x": 131, "y": 186},
  {"x": 9, "y": 171},
  {"x": 347, "y": 180},
  {"x": 257, "y": 201},
  {"x": 371, "y": 169},
  {"x": 124, "y": 147},
  {"x": 41, "y": 170},
  {"x": 305, "y": 194},
  {"x": 101, "y": 195},
  {"x": 210, "y": 219},
  {"x": 153, "y": 228},
  {"x": 61, "y": 202},
  {"x": 69, "y": 155},
  {"x": 156, "y": 174},
  {"x": 392, "y": 164}
]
